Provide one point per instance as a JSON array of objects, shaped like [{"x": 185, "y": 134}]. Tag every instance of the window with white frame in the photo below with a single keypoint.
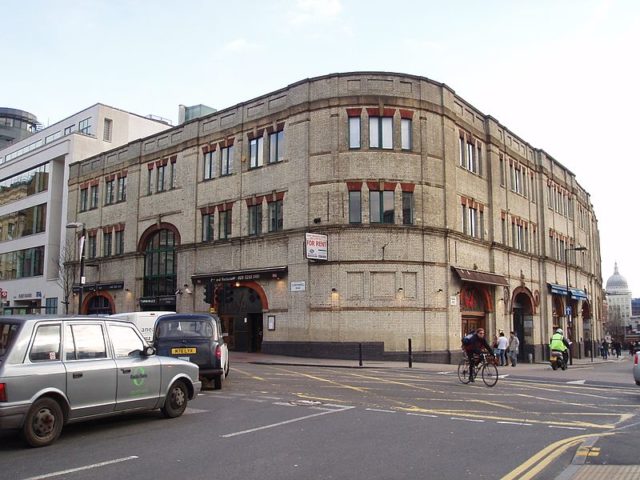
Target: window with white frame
[
  {"x": 208, "y": 226},
  {"x": 256, "y": 152},
  {"x": 122, "y": 189},
  {"x": 381, "y": 206},
  {"x": 470, "y": 153},
  {"x": 210, "y": 165},
  {"x": 108, "y": 130},
  {"x": 276, "y": 147},
  {"x": 275, "y": 216},
  {"x": 226, "y": 160},
  {"x": 406, "y": 133},
  {"x": 355, "y": 206},
  {"x": 472, "y": 221},
  {"x": 92, "y": 245},
  {"x": 84, "y": 126},
  {"x": 160, "y": 178},
  {"x": 84, "y": 199},
  {"x": 224, "y": 224},
  {"x": 172, "y": 175},
  {"x": 354, "y": 132},
  {"x": 381, "y": 132},
  {"x": 109, "y": 193},
  {"x": 94, "y": 196},
  {"x": 107, "y": 241},
  {"x": 119, "y": 242}
]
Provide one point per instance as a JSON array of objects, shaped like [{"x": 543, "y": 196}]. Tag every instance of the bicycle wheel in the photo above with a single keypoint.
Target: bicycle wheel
[
  {"x": 463, "y": 370},
  {"x": 489, "y": 374}
]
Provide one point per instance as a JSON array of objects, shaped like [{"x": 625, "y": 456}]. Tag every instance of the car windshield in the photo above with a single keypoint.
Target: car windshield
[
  {"x": 184, "y": 328},
  {"x": 8, "y": 334}
]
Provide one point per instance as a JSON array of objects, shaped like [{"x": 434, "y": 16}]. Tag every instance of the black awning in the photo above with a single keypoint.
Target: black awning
[
  {"x": 475, "y": 276},
  {"x": 240, "y": 275}
]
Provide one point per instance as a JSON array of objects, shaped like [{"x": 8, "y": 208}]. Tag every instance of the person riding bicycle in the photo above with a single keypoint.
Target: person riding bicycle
[
  {"x": 559, "y": 343},
  {"x": 475, "y": 345}
]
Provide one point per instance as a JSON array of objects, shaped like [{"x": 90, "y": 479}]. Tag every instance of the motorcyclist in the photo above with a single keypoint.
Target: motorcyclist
[{"x": 559, "y": 343}]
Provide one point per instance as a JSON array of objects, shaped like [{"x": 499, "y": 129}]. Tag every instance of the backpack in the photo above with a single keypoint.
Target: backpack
[{"x": 467, "y": 339}]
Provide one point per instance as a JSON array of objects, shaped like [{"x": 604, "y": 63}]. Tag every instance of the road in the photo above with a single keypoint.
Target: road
[{"x": 274, "y": 421}]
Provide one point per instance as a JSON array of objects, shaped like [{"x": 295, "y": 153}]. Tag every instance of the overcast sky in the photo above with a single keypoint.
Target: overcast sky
[{"x": 562, "y": 74}]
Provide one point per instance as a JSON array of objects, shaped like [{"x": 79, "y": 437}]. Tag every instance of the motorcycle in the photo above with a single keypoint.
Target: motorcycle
[{"x": 557, "y": 360}]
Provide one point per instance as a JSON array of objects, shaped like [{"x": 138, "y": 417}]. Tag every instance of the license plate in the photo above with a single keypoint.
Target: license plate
[{"x": 182, "y": 351}]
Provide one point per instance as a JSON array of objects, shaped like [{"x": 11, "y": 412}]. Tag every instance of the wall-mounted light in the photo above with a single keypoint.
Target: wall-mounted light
[
  {"x": 439, "y": 290},
  {"x": 334, "y": 290},
  {"x": 317, "y": 220},
  {"x": 187, "y": 290},
  {"x": 237, "y": 284},
  {"x": 400, "y": 290}
]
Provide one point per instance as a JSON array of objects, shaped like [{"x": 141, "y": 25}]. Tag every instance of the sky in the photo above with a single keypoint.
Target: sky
[{"x": 563, "y": 75}]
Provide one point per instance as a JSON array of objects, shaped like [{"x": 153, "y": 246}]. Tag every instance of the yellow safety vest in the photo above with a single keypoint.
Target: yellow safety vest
[{"x": 556, "y": 343}]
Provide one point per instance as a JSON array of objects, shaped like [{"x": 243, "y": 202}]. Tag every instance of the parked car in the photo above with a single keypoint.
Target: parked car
[
  {"x": 56, "y": 370},
  {"x": 196, "y": 338},
  {"x": 636, "y": 368},
  {"x": 145, "y": 321}
]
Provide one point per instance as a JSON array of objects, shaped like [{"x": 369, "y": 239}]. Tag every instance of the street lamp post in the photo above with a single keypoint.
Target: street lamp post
[
  {"x": 76, "y": 225},
  {"x": 566, "y": 271}
]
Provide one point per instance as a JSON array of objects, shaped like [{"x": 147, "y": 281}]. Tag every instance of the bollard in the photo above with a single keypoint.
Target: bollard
[
  {"x": 530, "y": 357},
  {"x": 410, "y": 355},
  {"x": 360, "y": 354}
]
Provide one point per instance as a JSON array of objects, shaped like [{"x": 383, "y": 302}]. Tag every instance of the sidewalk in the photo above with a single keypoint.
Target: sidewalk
[{"x": 267, "y": 359}]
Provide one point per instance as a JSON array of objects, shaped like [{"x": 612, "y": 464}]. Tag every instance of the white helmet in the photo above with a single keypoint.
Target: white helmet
[{"x": 559, "y": 331}]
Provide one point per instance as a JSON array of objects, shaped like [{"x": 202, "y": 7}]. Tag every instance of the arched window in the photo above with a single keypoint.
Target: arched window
[
  {"x": 99, "y": 305},
  {"x": 160, "y": 264}
]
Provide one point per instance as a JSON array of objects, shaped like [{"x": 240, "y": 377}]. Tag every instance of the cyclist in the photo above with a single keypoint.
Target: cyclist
[{"x": 474, "y": 347}]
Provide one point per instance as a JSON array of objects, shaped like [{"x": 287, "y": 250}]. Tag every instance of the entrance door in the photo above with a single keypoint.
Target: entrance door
[
  {"x": 471, "y": 323},
  {"x": 240, "y": 309}
]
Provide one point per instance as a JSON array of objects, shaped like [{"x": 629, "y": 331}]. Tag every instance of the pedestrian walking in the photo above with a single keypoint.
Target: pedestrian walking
[
  {"x": 514, "y": 347},
  {"x": 604, "y": 349}
]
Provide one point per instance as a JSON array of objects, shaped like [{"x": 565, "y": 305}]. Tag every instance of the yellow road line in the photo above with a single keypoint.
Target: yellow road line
[{"x": 250, "y": 375}]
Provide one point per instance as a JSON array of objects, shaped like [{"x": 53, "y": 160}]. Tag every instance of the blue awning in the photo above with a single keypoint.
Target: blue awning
[{"x": 562, "y": 290}]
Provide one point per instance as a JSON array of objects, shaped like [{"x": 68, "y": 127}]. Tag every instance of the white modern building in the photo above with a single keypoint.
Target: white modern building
[{"x": 33, "y": 201}]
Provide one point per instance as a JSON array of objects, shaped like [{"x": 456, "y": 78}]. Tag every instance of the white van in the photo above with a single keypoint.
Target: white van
[{"x": 145, "y": 321}]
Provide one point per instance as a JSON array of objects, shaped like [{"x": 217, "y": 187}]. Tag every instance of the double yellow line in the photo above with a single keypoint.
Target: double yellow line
[{"x": 544, "y": 457}]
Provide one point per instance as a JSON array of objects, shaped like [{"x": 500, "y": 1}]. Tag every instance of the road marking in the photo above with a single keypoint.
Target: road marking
[
  {"x": 423, "y": 415},
  {"x": 379, "y": 410},
  {"x": 313, "y": 377},
  {"x": 516, "y": 423},
  {"x": 566, "y": 428},
  {"x": 468, "y": 419},
  {"x": 577, "y": 382},
  {"x": 286, "y": 422},
  {"x": 80, "y": 469}
]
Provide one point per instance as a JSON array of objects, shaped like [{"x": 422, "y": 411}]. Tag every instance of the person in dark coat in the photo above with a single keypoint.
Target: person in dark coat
[{"x": 474, "y": 348}]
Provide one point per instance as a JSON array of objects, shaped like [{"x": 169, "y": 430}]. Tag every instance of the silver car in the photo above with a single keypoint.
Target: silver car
[{"x": 57, "y": 370}]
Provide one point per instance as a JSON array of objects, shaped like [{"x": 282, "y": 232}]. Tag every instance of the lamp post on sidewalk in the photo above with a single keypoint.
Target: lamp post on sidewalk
[
  {"x": 568, "y": 311},
  {"x": 83, "y": 232}
]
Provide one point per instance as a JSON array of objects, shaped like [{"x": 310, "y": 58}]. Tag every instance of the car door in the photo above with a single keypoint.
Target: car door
[
  {"x": 138, "y": 376},
  {"x": 90, "y": 369}
]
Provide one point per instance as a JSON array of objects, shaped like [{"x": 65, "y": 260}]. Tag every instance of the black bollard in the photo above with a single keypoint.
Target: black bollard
[
  {"x": 360, "y": 354},
  {"x": 410, "y": 355}
]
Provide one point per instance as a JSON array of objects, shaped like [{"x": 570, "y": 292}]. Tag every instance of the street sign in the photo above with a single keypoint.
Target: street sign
[{"x": 568, "y": 311}]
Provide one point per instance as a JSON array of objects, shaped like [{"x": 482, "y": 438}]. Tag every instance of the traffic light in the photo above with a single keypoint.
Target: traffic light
[
  {"x": 208, "y": 292},
  {"x": 218, "y": 296}
]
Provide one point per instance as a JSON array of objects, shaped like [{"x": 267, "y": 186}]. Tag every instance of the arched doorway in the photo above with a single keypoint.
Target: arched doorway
[
  {"x": 158, "y": 244},
  {"x": 98, "y": 304},
  {"x": 240, "y": 307},
  {"x": 522, "y": 312}
]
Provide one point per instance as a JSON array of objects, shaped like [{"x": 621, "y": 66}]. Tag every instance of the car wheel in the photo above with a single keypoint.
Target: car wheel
[
  {"x": 217, "y": 381},
  {"x": 43, "y": 423},
  {"x": 226, "y": 371},
  {"x": 176, "y": 402},
  {"x": 638, "y": 382}
]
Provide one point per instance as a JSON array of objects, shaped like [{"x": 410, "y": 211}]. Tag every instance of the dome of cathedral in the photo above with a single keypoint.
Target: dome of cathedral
[{"x": 616, "y": 282}]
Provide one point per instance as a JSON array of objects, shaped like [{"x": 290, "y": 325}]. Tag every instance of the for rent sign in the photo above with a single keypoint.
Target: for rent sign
[{"x": 316, "y": 246}]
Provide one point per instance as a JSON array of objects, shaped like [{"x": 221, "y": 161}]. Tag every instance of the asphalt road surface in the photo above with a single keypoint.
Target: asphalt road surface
[{"x": 280, "y": 422}]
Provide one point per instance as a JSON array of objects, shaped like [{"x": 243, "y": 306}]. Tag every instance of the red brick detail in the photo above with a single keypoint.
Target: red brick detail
[
  {"x": 173, "y": 158},
  {"x": 95, "y": 182},
  {"x": 354, "y": 186},
  {"x": 119, "y": 227},
  {"x": 279, "y": 126},
  {"x": 280, "y": 196},
  {"x": 408, "y": 187},
  {"x": 270, "y": 130},
  {"x": 354, "y": 112},
  {"x": 388, "y": 112},
  {"x": 150, "y": 165},
  {"x": 408, "y": 114},
  {"x": 230, "y": 141},
  {"x": 389, "y": 186},
  {"x": 373, "y": 112},
  {"x": 373, "y": 186},
  {"x": 205, "y": 149},
  {"x": 503, "y": 215},
  {"x": 207, "y": 210},
  {"x": 259, "y": 132}
]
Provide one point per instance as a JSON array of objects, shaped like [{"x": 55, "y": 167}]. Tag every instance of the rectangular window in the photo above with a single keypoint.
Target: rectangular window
[
  {"x": 122, "y": 189},
  {"x": 84, "y": 199},
  {"x": 172, "y": 175},
  {"x": 46, "y": 344},
  {"x": 407, "y": 208},
  {"x": 276, "y": 147},
  {"x": 224, "y": 224},
  {"x": 207, "y": 227},
  {"x": 462, "y": 151},
  {"x": 255, "y": 219},
  {"x": 107, "y": 241},
  {"x": 255, "y": 152},
  {"x": 209, "y": 165},
  {"x": 51, "y": 306},
  {"x": 150, "y": 182},
  {"x": 92, "y": 246},
  {"x": 119, "y": 244},
  {"x": 501, "y": 166},
  {"x": 70, "y": 129},
  {"x": 355, "y": 206},
  {"x": 381, "y": 132},
  {"x": 504, "y": 231},
  {"x": 354, "y": 132},
  {"x": 108, "y": 127},
  {"x": 109, "y": 194},
  {"x": 472, "y": 220},
  {"x": 226, "y": 160},
  {"x": 406, "y": 133},
  {"x": 94, "y": 196},
  {"x": 381, "y": 207},
  {"x": 275, "y": 216},
  {"x": 84, "y": 127},
  {"x": 160, "y": 178}
]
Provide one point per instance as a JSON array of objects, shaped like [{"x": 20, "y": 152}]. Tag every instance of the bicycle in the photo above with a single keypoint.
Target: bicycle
[{"x": 487, "y": 369}]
